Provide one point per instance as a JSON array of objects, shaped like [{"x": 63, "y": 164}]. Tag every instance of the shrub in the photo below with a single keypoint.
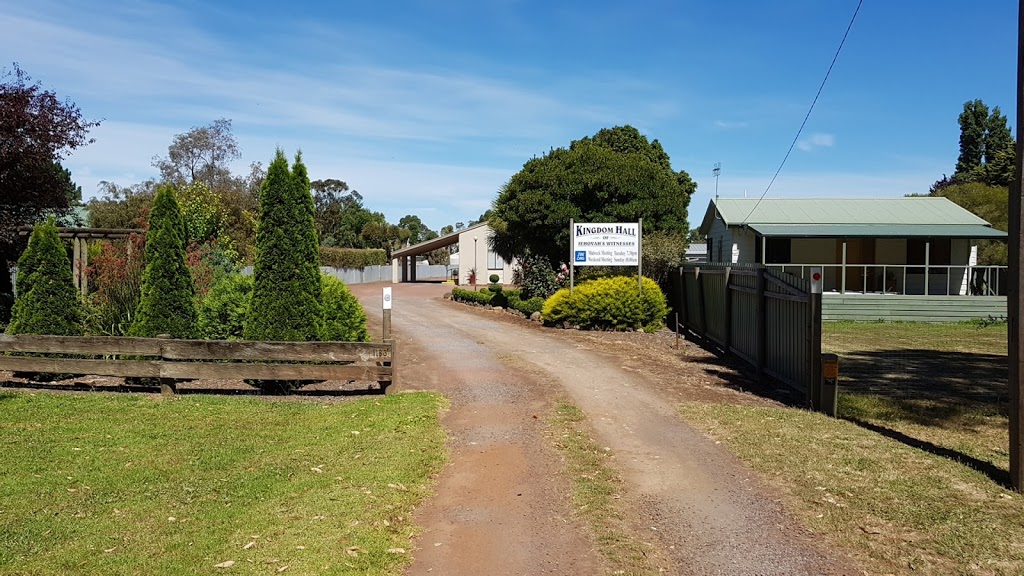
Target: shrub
[
  {"x": 494, "y": 278},
  {"x": 609, "y": 303},
  {"x": 6, "y": 303},
  {"x": 538, "y": 277},
  {"x": 167, "y": 301},
  {"x": 352, "y": 257},
  {"x": 556, "y": 307},
  {"x": 286, "y": 297},
  {"x": 344, "y": 318},
  {"x": 116, "y": 276},
  {"x": 663, "y": 252},
  {"x": 528, "y": 307},
  {"x": 47, "y": 301},
  {"x": 483, "y": 296},
  {"x": 222, "y": 312}
]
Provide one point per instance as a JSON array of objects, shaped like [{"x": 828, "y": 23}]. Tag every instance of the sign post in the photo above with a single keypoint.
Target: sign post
[
  {"x": 386, "y": 299},
  {"x": 572, "y": 248}
]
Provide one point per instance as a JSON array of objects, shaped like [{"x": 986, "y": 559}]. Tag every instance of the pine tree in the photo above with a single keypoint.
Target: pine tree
[
  {"x": 167, "y": 305},
  {"x": 286, "y": 298},
  {"x": 973, "y": 124},
  {"x": 47, "y": 301}
]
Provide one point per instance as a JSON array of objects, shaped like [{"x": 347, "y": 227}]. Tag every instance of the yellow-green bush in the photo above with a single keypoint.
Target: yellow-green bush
[{"x": 614, "y": 303}]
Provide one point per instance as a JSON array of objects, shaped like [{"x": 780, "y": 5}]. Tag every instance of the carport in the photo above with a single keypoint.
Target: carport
[{"x": 403, "y": 262}]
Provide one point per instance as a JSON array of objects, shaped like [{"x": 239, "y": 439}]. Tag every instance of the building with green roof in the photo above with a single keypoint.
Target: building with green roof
[{"x": 911, "y": 245}]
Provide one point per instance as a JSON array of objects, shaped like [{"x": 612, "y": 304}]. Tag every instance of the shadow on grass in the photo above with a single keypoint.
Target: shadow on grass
[
  {"x": 950, "y": 390},
  {"x": 739, "y": 375},
  {"x": 928, "y": 387},
  {"x": 925, "y": 387},
  {"x": 996, "y": 474}
]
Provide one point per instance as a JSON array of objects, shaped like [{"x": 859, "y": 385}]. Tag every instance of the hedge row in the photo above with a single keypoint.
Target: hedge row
[
  {"x": 504, "y": 298},
  {"x": 352, "y": 257},
  {"x": 223, "y": 312}
]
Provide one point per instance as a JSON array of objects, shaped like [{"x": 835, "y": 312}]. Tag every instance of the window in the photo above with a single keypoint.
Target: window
[
  {"x": 938, "y": 255},
  {"x": 777, "y": 250},
  {"x": 495, "y": 262}
]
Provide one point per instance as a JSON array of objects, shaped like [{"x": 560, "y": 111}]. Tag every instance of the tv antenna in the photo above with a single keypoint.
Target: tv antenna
[{"x": 716, "y": 172}]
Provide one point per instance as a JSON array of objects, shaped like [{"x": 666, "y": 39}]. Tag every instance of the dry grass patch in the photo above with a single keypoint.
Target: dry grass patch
[
  {"x": 595, "y": 488},
  {"x": 898, "y": 509},
  {"x": 99, "y": 484}
]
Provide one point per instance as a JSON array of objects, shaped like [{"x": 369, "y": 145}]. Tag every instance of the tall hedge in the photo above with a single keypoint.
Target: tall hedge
[
  {"x": 47, "y": 301},
  {"x": 167, "y": 304},
  {"x": 286, "y": 297},
  {"x": 352, "y": 257}
]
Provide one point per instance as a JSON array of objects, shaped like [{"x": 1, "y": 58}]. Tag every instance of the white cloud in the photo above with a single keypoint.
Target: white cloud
[
  {"x": 730, "y": 124},
  {"x": 816, "y": 140}
]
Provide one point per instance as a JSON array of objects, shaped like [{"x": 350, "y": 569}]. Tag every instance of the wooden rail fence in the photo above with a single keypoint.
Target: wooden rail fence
[
  {"x": 172, "y": 360},
  {"x": 768, "y": 318}
]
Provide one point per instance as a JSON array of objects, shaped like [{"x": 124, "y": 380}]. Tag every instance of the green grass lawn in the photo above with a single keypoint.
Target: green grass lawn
[
  {"x": 908, "y": 480},
  {"x": 944, "y": 384},
  {"x": 103, "y": 484},
  {"x": 897, "y": 509}
]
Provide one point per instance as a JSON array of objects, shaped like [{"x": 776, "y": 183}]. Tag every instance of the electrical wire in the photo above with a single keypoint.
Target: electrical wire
[{"x": 809, "y": 110}]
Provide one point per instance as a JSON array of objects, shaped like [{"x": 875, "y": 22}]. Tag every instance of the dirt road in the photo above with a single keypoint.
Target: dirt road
[{"x": 502, "y": 508}]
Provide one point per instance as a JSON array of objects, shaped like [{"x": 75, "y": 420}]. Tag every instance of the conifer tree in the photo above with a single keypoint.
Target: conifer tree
[
  {"x": 47, "y": 301},
  {"x": 167, "y": 304},
  {"x": 286, "y": 298}
]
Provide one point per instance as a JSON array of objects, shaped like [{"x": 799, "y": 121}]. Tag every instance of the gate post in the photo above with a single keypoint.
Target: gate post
[
  {"x": 728, "y": 308},
  {"x": 762, "y": 328},
  {"x": 814, "y": 331}
]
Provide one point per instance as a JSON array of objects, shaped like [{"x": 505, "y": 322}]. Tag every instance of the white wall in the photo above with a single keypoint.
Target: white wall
[
  {"x": 477, "y": 258},
  {"x": 743, "y": 242}
]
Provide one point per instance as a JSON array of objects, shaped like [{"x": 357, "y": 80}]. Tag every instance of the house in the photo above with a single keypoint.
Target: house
[
  {"x": 912, "y": 245},
  {"x": 476, "y": 262},
  {"x": 696, "y": 253}
]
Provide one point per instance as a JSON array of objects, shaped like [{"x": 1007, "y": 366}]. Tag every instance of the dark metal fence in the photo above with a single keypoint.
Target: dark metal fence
[{"x": 768, "y": 318}]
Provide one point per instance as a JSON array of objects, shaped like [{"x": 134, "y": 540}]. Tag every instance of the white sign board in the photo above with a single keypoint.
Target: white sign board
[
  {"x": 387, "y": 298},
  {"x": 616, "y": 244}
]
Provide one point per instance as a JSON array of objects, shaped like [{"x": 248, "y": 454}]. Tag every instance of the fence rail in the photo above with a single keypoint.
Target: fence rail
[
  {"x": 768, "y": 318},
  {"x": 932, "y": 280},
  {"x": 172, "y": 360}
]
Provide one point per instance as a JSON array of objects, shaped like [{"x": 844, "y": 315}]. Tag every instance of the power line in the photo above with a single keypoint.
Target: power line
[{"x": 809, "y": 110}]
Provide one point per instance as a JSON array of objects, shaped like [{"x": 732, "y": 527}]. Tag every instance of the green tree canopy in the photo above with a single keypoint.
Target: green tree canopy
[
  {"x": 286, "y": 297},
  {"x": 617, "y": 175},
  {"x": 167, "y": 304},
  {"x": 987, "y": 148},
  {"x": 990, "y": 203}
]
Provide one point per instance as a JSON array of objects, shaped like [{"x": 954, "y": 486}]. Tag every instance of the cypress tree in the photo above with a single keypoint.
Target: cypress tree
[
  {"x": 167, "y": 304},
  {"x": 286, "y": 297},
  {"x": 47, "y": 301}
]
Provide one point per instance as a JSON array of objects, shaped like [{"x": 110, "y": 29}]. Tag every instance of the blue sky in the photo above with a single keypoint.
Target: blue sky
[{"x": 428, "y": 107}]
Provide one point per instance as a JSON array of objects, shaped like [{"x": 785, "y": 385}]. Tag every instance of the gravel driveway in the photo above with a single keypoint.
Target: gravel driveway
[{"x": 501, "y": 506}]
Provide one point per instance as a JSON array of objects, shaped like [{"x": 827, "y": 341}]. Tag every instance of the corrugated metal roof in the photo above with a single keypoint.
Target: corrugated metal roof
[
  {"x": 972, "y": 231},
  {"x": 906, "y": 211}
]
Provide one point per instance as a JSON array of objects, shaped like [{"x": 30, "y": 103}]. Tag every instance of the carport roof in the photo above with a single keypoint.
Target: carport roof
[{"x": 431, "y": 245}]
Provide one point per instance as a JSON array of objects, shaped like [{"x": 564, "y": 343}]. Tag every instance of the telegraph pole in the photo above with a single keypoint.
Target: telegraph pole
[{"x": 1014, "y": 302}]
